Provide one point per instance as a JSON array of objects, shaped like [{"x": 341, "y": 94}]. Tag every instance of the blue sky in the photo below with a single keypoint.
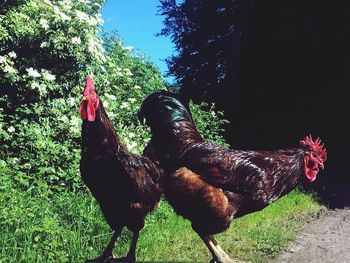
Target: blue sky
[{"x": 137, "y": 23}]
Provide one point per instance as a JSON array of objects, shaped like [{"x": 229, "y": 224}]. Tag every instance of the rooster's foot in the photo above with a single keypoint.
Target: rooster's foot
[
  {"x": 101, "y": 259},
  {"x": 227, "y": 261},
  {"x": 127, "y": 259},
  {"x": 222, "y": 260}
]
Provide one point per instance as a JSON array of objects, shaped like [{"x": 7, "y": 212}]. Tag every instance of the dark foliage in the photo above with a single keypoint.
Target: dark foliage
[
  {"x": 292, "y": 82},
  {"x": 204, "y": 35}
]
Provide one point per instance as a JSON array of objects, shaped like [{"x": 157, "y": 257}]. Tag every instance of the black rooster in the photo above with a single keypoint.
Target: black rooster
[
  {"x": 126, "y": 186},
  {"x": 210, "y": 185}
]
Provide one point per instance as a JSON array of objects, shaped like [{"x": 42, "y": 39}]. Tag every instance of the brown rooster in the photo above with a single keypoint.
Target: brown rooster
[
  {"x": 125, "y": 185},
  {"x": 208, "y": 184}
]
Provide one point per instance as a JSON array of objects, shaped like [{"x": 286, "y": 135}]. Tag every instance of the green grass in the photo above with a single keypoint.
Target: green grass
[{"x": 68, "y": 227}]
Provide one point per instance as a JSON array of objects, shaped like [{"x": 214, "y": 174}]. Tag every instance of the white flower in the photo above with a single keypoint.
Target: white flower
[
  {"x": 111, "y": 114},
  {"x": 9, "y": 69},
  {"x": 137, "y": 87},
  {"x": 3, "y": 163},
  {"x": 131, "y": 135},
  {"x": 64, "y": 17},
  {"x": 132, "y": 100},
  {"x": 66, "y": 5},
  {"x": 12, "y": 54},
  {"x": 132, "y": 145},
  {"x": 33, "y": 4},
  {"x": 44, "y": 44},
  {"x": 48, "y": 2},
  {"x": 34, "y": 85},
  {"x": 124, "y": 105},
  {"x": 91, "y": 46},
  {"x": 126, "y": 140},
  {"x": 48, "y": 76},
  {"x": 44, "y": 23},
  {"x": 42, "y": 90},
  {"x": 56, "y": 10},
  {"x": 33, "y": 72},
  {"x": 71, "y": 102},
  {"x": 128, "y": 72},
  {"x": 40, "y": 87},
  {"x": 2, "y": 59},
  {"x": 74, "y": 121},
  {"x": 74, "y": 129},
  {"x": 64, "y": 119},
  {"x": 128, "y": 48},
  {"x": 76, "y": 40},
  {"x": 82, "y": 16},
  {"x": 11, "y": 129},
  {"x": 92, "y": 21},
  {"x": 110, "y": 96}
]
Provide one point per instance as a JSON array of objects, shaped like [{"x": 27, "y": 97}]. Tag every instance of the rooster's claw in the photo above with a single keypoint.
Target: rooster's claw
[
  {"x": 124, "y": 259},
  {"x": 101, "y": 259}
]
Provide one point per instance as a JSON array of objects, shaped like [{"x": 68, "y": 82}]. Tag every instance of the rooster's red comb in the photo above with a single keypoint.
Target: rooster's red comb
[
  {"x": 316, "y": 146},
  {"x": 89, "y": 86}
]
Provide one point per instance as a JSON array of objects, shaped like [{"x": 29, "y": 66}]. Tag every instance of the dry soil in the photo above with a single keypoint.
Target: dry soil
[{"x": 324, "y": 240}]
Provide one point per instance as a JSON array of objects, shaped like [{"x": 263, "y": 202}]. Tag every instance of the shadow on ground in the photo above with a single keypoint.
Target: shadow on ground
[
  {"x": 169, "y": 262},
  {"x": 334, "y": 193}
]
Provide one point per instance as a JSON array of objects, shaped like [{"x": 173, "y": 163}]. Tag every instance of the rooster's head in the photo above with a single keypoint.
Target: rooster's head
[
  {"x": 90, "y": 101},
  {"x": 315, "y": 157},
  {"x": 164, "y": 107}
]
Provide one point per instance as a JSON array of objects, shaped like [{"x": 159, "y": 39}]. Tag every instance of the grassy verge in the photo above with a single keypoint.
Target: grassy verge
[{"x": 68, "y": 227}]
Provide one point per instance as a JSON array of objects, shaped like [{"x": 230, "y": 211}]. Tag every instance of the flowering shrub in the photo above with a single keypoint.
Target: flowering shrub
[{"x": 47, "y": 47}]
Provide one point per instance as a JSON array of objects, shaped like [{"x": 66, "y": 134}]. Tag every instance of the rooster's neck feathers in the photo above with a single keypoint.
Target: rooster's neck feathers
[
  {"x": 173, "y": 119},
  {"x": 99, "y": 136},
  {"x": 177, "y": 111},
  {"x": 175, "y": 125}
]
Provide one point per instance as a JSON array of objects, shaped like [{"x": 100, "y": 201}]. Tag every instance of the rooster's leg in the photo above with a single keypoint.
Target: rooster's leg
[
  {"x": 131, "y": 254},
  {"x": 219, "y": 255},
  {"x": 107, "y": 253},
  {"x": 130, "y": 258}
]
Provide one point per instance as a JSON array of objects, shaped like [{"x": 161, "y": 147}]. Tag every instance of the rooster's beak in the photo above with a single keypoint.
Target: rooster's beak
[
  {"x": 321, "y": 165},
  {"x": 85, "y": 98}
]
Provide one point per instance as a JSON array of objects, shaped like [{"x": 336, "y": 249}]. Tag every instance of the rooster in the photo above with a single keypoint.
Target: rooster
[
  {"x": 210, "y": 185},
  {"x": 125, "y": 185}
]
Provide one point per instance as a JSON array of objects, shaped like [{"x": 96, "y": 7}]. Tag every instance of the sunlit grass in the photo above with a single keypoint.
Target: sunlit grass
[{"x": 68, "y": 227}]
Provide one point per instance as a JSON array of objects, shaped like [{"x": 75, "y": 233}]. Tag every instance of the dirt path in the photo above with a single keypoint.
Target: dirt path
[{"x": 325, "y": 239}]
